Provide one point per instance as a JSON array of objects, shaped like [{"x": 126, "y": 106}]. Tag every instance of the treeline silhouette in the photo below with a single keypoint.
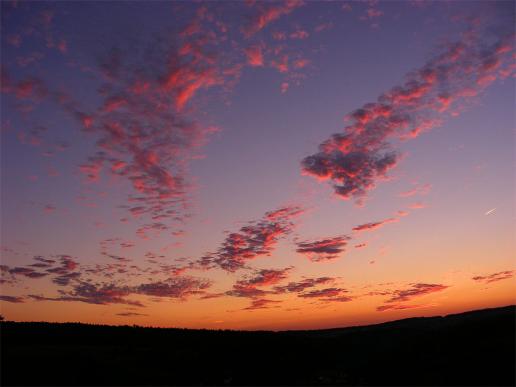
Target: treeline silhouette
[{"x": 473, "y": 348}]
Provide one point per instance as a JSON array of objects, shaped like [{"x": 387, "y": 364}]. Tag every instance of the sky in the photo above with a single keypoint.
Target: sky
[{"x": 256, "y": 165}]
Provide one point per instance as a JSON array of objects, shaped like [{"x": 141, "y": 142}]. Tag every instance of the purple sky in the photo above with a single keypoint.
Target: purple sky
[{"x": 256, "y": 164}]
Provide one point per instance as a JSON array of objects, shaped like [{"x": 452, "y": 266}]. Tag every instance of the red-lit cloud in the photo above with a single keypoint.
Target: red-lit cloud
[
  {"x": 324, "y": 249},
  {"x": 267, "y": 277},
  {"x": 254, "y": 55},
  {"x": 269, "y": 12},
  {"x": 12, "y": 299},
  {"x": 416, "y": 290},
  {"x": 144, "y": 132},
  {"x": 61, "y": 274},
  {"x": 328, "y": 294},
  {"x": 26, "y": 272},
  {"x": 383, "y": 308},
  {"x": 264, "y": 277},
  {"x": 110, "y": 293},
  {"x": 177, "y": 287},
  {"x": 399, "y": 297},
  {"x": 131, "y": 314},
  {"x": 487, "y": 279},
  {"x": 253, "y": 240},
  {"x": 299, "y": 34},
  {"x": 416, "y": 205},
  {"x": 300, "y": 286},
  {"x": 104, "y": 294},
  {"x": 261, "y": 303},
  {"x": 355, "y": 159},
  {"x": 422, "y": 189},
  {"x": 374, "y": 225},
  {"x": 29, "y": 88}
]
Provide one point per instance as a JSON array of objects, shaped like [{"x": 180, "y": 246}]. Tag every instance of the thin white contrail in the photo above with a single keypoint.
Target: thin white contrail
[{"x": 490, "y": 211}]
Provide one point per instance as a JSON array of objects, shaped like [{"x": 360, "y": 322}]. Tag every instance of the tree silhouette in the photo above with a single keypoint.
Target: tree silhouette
[{"x": 411, "y": 352}]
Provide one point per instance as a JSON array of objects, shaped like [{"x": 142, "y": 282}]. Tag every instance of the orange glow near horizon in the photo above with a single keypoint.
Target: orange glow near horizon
[{"x": 256, "y": 165}]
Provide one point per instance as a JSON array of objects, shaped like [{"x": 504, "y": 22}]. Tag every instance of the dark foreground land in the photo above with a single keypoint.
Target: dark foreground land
[{"x": 474, "y": 348}]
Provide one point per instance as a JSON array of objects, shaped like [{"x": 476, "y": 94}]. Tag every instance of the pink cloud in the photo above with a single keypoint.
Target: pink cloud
[
  {"x": 360, "y": 156},
  {"x": 266, "y": 277},
  {"x": 301, "y": 63},
  {"x": 261, "y": 303},
  {"x": 383, "y": 308},
  {"x": 26, "y": 272},
  {"x": 277, "y": 35},
  {"x": 300, "y": 286},
  {"x": 299, "y": 34},
  {"x": 12, "y": 299},
  {"x": 327, "y": 294},
  {"x": 177, "y": 287},
  {"x": 374, "y": 225},
  {"x": 144, "y": 135},
  {"x": 416, "y": 290},
  {"x": 323, "y": 27},
  {"x": 131, "y": 314},
  {"x": 29, "y": 88},
  {"x": 253, "y": 240},
  {"x": 495, "y": 277},
  {"x": 323, "y": 249},
  {"x": 422, "y": 189},
  {"x": 254, "y": 55},
  {"x": 281, "y": 64},
  {"x": 269, "y": 12}
]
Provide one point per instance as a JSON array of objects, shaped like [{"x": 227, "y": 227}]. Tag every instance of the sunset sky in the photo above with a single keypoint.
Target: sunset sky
[{"x": 256, "y": 165}]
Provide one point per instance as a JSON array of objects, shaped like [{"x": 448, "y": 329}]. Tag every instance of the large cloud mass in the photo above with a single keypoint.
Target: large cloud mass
[{"x": 363, "y": 153}]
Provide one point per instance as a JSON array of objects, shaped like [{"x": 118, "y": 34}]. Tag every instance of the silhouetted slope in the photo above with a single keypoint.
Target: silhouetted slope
[{"x": 474, "y": 348}]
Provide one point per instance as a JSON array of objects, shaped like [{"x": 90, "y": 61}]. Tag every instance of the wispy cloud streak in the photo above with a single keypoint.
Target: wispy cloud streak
[
  {"x": 495, "y": 277},
  {"x": 324, "y": 249}
]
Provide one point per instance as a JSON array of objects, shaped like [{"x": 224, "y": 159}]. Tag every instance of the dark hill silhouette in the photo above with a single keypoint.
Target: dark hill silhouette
[{"x": 473, "y": 348}]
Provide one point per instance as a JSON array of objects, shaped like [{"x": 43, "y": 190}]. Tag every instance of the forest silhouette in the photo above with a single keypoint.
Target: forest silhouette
[{"x": 472, "y": 348}]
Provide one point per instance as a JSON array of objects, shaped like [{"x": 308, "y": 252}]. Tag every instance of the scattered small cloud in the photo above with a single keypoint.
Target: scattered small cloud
[{"x": 495, "y": 277}]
